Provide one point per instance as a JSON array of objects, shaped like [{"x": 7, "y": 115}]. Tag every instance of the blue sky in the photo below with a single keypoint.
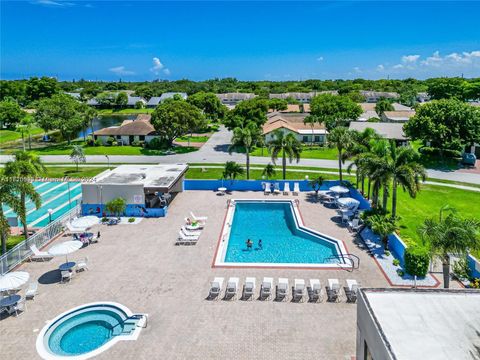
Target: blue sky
[{"x": 247, "y": 40}]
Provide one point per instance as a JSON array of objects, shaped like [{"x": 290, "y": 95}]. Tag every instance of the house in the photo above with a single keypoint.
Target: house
[
  {"x": 132, "y": 100},
  {"x": 390, "y": 131},
  {"x": 368, "y": 111},
  {"x": 233, "y": 99},
  {"x": 293, "y": 123},
  {"x": 423, "y": 97},
  {"x": 140, "y": 129},
  {"x": 75, "y": 95},
  {"x": 290, "y": 109},
  {"x": 427, "y": 324},
  {"x": 374, "y": 96},
  {"x": 298, "y": 96},
  {"x": 397, "y": 116},
  {"x": 153, "y": 102}
]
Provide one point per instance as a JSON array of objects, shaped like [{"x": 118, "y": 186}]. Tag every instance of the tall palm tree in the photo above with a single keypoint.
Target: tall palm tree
[
  {"x": 287, "y": 145},
  {"x": 77, "y": 155},
  {"x": 88, "y": 115},
  {"x": 25, "y": 165},
  {"x": 362, "y": 145},
  {"x": 246, "y": 137},
  {"x": 341, "y": 138},
  {"x": 450, "y": 235},
  {"x": 9, "y": 188}
]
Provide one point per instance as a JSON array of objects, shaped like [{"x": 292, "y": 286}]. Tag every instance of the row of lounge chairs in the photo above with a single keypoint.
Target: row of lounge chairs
[
  {"x": 191, "y": 231},
  {"x": 267, "y": 188},
  {"x": 299, "y": 290}
]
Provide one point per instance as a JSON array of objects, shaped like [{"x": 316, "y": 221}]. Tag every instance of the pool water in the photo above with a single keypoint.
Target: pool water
[
  {"x": 85, "y": 332},
  {"x": 282, "y": 240}
]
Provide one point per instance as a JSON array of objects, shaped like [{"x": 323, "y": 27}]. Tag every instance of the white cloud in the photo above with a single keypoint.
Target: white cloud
[
  {"x": 157, "y": 66},
  {"x": 320, "y": 58},
  {"x": 357, "y": 69},
  {"x": 166, "y": 71},
  {"x": 410, "y": 58},
  {"x": 53, "y": 3},
  {"x": 380, "y": 67},
  {"x": 434, "y": 60},
  {"x": 121, "y": 70},
  {"x": 398, "y": 66}
]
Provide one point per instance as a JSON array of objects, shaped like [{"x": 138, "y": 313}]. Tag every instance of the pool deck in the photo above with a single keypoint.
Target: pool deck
[{"x": 139, "y": 267}]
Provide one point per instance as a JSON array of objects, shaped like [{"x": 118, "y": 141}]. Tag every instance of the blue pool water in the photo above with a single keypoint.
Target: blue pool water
[
  {"x": 58, "y": 196},
  {"x": 283, "y": 242},
  {"x": 85, "y": 332}
]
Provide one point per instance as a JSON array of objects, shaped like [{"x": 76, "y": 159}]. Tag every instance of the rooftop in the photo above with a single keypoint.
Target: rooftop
[
  {"x": 399, "y": 115},
  {"x": 140, "y": 126},
  {"x": 293, "y": 122},
  {"x": 388, "y": 130},
  {"x": 444, "y": 324}
]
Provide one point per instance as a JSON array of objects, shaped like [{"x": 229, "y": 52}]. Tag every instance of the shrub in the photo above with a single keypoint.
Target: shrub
[
  {"x": 90, "y": 142},
  {"x": 98, "y": 142},
  {"x": 139, "y": 105},
  {"x": 131, "y": 220},
  {"x": 436, "y": 152},
  {"x": 400, "y": 272},
  {"x": 417, "y": 259},
  {"x": 396, "y": 262},
  {"x": 135, "y": 143},
  {"x": 460, "y": 269},
  {"x": 157, "y": 144},
  {"x": 475, "y": 283},
  {"x": 104, "y": 219},
  {"x": 116, "y": 206},
  {"x": 110, "y": 140},
  {"x": 387, "y": 253}
]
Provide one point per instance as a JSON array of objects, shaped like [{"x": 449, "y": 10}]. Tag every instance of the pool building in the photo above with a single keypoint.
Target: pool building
[{"x": 147, "y": 189}]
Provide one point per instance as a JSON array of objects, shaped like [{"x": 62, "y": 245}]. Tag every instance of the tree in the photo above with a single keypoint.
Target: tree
[
  {"x": 210, "y": 104},
  {"x": 277, "y": 104},
  {"x": 383, "y": 227},
  {"x": 139, "y": 105},
  {"x": 232, "y": 170},
  {"x": 10, "y": 114},
  {"x": 77, "y": 155},
  {"x": 25, "y": 127},
  {"x": 106, "y": 99},
  {"x": 446, "y": 124},
  {"x": 471, "y": 91},
  {"x": 144, "y": 91},
  {"x": 60, "y": 112},
  {"x": 24, "y": 166},
  {"x": 450, "y": 235},
  {"x": 334, "y": 110},
  {"x": 247, "y": 138},
  {"x": 341, "y": 138},
  {"x": 39, "y": 88},
  {"x": 316, "y": 184},
  {"x": 121, "y": 99},
  {"x": 116, "y": 206},
  {"x": 383, "y": 105},
  {"x": 446, "y": 88},
  {"x": 88, "y": 114},
  {"x": 286, "y": 145},
  {"x": 269, "y": 171},
  {"x": 174, "y": 118},
  {"x": 247, "y": 111}
]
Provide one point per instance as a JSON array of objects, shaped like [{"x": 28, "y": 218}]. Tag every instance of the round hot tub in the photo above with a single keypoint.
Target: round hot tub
[{"x": 86, "y": 331}]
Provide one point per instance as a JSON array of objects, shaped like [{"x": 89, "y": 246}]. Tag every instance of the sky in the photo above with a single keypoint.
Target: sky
[{"x": 272, "y": 40}]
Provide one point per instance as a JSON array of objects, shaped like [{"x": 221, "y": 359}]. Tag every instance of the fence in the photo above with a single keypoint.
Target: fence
[{"x": 22, "y": 251}]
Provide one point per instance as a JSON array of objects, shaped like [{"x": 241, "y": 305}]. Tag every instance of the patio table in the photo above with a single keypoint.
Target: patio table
[
  {"x": 67, "y": 266},
  {"x": 10, "y": 300}
]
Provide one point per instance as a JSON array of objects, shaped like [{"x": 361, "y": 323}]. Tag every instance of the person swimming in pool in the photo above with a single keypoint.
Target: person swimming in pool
[
  {"x": 260, "y": 245},
  {"x": 249, "y": 244}
]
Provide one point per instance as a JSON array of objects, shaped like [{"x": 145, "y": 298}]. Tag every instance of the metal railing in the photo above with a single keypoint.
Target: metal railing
[{"x": 22, "y": 251}]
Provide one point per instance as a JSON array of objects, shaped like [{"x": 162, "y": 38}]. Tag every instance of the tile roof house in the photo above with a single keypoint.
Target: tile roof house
[
  {"x": 140, "y": 129},
  {"x": 391, "y": 131},
  {"x": 234, "y": 98},
  {"x": 293, "y": 123}
]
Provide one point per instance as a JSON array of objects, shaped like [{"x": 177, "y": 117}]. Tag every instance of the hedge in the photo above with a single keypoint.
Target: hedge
[{"x": 417, "y": 259}]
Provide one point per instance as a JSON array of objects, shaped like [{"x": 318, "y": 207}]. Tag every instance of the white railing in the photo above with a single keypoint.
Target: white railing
[{"x": 22, "y": 251}]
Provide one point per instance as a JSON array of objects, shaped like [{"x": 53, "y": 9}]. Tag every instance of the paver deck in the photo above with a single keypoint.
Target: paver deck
[{"x": 139, "y": 267}]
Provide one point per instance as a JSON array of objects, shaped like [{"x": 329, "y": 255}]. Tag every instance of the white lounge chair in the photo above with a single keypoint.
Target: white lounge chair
[
  {"x": 182, "y": 238},
  {"x": 19, "y": 307},
  {"x": 39, "y": 255},
  {"x": 266, "y": 189},
  {"x": 66, "y": 276},
  {"x": 276, "y": 189},
  {"x": 333, "y": 290},
  {"x": 296, "y": 188},
  {"x": 298, "y": 290},
  {"x": 198, "y": 218},
  {"x": 351, "y": 290},
  {"x": 215, "y": 288},
  {"x": 282, "y": 289},
  {"x": 31, "y": 290},
  {"x": 315, "y": 292},
  {"x": 249, "y": 288},
  {"x": 266, "y": 288},
  {"x": 82, "y": 265},
  {"x": 286, "y": 189},
  {"x": 198, "y": 226},
  {"x": 190, "y": 232},
  {"x": 232, "y": 288},
  {"x": 354, "y": 225}
]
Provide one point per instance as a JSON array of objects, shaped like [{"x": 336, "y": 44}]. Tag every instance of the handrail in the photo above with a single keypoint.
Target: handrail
[{"x": 347, "y": 257}]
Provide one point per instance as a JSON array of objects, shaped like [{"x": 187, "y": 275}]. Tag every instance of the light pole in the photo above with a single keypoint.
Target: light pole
[
  {"x": 50, "y": 212},
  {"x": 108, "y": 159}
]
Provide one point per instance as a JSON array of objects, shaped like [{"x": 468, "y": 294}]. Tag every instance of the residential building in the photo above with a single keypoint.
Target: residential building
[
  {"x": 156, "y": 100},
  {"x": 405, "y": 324},
  {"x": 75, "y": 95},
  {"x": 374, "y": 96},
  {"x": 298, "y": 96},
  {"x": 131, "y": 100},
  {"x": 153, "y": 102},
  {"x": 140, "y": 129},
  {"x": 233, "y": 99},
  {"x": 391, "y": 131},
  {"x": 397, "y": 116},
  {"x": 293, "y": 123},
  {"x": 423, "y": 97},
  {"x": 368, "y": 111}
]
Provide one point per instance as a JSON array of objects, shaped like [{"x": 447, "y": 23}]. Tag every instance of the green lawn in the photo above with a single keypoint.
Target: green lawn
[
  {"x": 68, "y": 171},
  {"x": 124, "y": 111},
  {"x": 307, "y": 153},
  {"x": 196, "y": 139},
  {"x": 11, "y": 135}
]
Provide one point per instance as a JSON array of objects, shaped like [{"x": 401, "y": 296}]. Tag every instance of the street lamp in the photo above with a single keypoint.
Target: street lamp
[
  {"x": 108, "y": 159},
  {"x": 50, "y": 212}
]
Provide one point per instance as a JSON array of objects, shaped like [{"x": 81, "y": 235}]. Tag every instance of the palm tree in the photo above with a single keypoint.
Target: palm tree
[
  {"x": 383, "y": 227},
  {"x": 342, "y": 138},
  {"x": 245, "y": 137},
  {"x": 361, "y": 147},
  {"x": 77, "y": 155},
  {"x": 450, "y": 235},
  {"x": 25, "y": 165},
  {"x": 269, "y": 171},
  {"x": 316, "y": 184},
  {"x": 232, "y": 170},
  {"x": 288, "y": 145},
  {"x": 88, "y": 115}
]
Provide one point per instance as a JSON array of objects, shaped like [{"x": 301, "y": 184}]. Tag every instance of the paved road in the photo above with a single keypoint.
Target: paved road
[{"x": 215, "y": 150}]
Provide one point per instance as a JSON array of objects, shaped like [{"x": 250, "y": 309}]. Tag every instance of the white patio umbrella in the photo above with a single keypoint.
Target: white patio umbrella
[
  {"x": 348, "y": 202},
  {"x": 13, "y": 280},
  {"x": 85, "y": 222},
  {"x": 339, "y": 189},
  {"x": 65, "y": 248}
]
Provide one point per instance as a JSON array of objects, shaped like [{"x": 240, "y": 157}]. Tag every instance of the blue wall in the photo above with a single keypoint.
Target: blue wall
[
  {"x": 131, "y": 210},
  {"x": 471, "y": 264}
]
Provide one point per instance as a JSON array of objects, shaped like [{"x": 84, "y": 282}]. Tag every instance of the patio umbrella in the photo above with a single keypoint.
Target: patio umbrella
[
  {"x": 65, "y": 248},
  {"x": 84, "y": 222},
  {"x": 13, "y": 280},
  {"x": 349, "y": 202},
  {"x": 339, "y": 189}
]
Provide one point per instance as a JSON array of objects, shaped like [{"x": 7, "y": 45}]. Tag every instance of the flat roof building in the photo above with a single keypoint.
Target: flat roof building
[{"x": 408, "y": 324}]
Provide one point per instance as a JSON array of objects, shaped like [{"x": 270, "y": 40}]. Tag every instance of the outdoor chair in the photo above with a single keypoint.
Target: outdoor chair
[
  {"x": 333, "y": 290},
  {"x": 190, "y": 232},
  {"x": 351, "y": 290},
  {"x": 249, "y": 288},
  {"x": 298, "y": 290},
  {"x": 354, "y": 225},
  {"x": 19, "y": 307},
  {"x": 198, "y": 226},
  {"x": 266, "y": 189},
  {"x": 66, "y": 276},
  {"x": 31, "y": 290},
  {"x": 282, "y": 289},
  {"x": 182, "y": 238},
  {"x": 232, "y": 287},
  {"x": 39, "y": 255},
  {"x": 82, "y": 265},
  {"x": 215, "y": 288},
  {"x": 276, "y": 189},
  {"x": 286, "y": 189},
  {"x": 198, "y": 218},
  {"x": 296, "y": 188},
  {"x": 266, "y": 288},
  {"x": 315, "y": 290}
]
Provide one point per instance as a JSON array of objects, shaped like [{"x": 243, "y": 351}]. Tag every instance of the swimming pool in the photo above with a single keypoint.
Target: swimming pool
[
  {"x": 286, "y": 242},
  {"x": 56, "y": 195},
  {"x": 87, "y": 330}
]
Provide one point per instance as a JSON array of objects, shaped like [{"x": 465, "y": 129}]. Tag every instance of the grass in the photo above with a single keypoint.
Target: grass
[
  {"x": 124, "y": 111},
  {"x": 195, "y": 139},
  {"x": 11, "y": 135},
  {"x": 308, "y": 152},
  {"x": 83, "y": 172}
]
